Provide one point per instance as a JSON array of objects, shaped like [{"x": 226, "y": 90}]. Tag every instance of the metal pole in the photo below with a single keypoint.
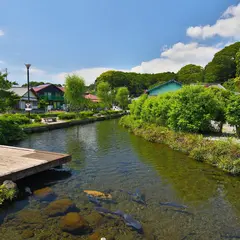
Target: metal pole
[
  {"x": 28, "y": 90},
  {"x": 28, "y": 66}
]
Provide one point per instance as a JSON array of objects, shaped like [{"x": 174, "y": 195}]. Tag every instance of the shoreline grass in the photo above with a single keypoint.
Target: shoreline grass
[{"x": 224, "y": 155}]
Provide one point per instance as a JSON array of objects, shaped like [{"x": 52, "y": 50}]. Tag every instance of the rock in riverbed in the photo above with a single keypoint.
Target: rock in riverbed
[
  {"x": 60, "y": 208},
  {"x": 74, "y": 223},
  {"x": 45, "y": 194}
]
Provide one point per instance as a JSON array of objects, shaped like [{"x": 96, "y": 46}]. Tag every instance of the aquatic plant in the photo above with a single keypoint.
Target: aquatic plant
[{"x": 6, "y": 194}]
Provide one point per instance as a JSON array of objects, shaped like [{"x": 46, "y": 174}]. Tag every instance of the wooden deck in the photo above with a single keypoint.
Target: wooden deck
[{"x": 18, "y": 163}]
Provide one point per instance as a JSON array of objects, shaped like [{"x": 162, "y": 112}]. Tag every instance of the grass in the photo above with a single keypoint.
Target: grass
[{"x": 224, "y": 155}]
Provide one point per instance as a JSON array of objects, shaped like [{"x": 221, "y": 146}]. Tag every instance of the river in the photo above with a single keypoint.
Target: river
[{"x": 105, "y": 157}]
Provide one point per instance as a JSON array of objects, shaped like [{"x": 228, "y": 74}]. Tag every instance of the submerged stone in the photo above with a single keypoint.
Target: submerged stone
[
  {"x": 27, "y": 234},
  {"x": 74, "y": 223},
  {"x": 45, "y": 194},
  {"x": 30, "y": 217},
  {"x": 60, "y": 208},
  {"x": 95, "y": 236}
]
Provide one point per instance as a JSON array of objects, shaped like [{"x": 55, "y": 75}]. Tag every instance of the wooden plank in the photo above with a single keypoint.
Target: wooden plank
[{"x": 17, "y": 163}]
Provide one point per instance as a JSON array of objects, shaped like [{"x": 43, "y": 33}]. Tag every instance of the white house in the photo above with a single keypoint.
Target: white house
[{"x": 22, "y": 92}]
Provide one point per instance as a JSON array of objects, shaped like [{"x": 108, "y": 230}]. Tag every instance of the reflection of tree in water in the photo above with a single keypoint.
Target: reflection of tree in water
[
  {"x": 110, "y": 136},
  {"x": 75, "y": 147},
  {"x": 186, "y": 176}
]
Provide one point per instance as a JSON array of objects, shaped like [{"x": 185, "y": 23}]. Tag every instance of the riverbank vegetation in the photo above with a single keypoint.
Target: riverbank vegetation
[
  {"x": 179, "y": 119},
  {"x": 222, "y": 154},
  {"x": 6, "y": 194}
]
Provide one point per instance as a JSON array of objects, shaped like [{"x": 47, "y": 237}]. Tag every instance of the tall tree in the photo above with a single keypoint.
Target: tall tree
[
  {"x": 238, "y": 63},
  {"x": 8, "y": 99},
  {"x": 74, "y": 92},
  {"x": 122, "y": 97},
  {"x": 223, "y": 65},
  {"x": 104, "y": 93},
  {"x": 190, "y": 74}
]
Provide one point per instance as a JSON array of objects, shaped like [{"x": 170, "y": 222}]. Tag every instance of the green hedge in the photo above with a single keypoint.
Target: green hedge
[
  {"x": 67, "y": 116},
  {"x": 10, "y": 130},
  {"x": 16, "y": 118},
  {"x": 222, "y": 154}
]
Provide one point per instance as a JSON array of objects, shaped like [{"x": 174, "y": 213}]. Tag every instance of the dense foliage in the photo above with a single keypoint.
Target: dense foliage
[
  {"x": 8, "y": 99},
  {"x": 190, "y": 109},
  {"x": 233, "y": 112},
  {"x": 104, "y": 93},
  {"x": 6, "y": 194},
  {"x": 74, "y": 92},
  {"x": 190, "y": 74},
  {"x": 222, "y": 154},
  {"x": 122, "y": 97},
  {"x": 135, "y": 82},
  {"x": 223, "y": 65},
  {"x": 10, "y": 130},
  {"x": 238, "y": 63}
]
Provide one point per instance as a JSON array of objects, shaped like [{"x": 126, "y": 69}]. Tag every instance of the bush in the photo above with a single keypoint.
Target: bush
[
  {"x": 36, "y": 118},
  {"x": 16, "y": 118},
  {"x": 67, "y": 116},
  {"x": 6, "y": 194},
  {"x": 10, "y": 131},
  {"x": 86, "y": 114}
]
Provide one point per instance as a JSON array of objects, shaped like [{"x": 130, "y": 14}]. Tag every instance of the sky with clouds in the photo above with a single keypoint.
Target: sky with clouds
[{"x": 88, "y": 37}]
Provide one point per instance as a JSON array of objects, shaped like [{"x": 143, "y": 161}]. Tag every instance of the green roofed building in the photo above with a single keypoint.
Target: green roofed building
[{"x": 169, "y": 86}]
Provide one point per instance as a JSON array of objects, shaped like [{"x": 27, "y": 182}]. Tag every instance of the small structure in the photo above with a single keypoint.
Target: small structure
[
  {"x": 22, "y": 92},
  {"x": 169, "y": 86},
  {"x": 52, "y": 94},
  {"x": 18, "y": 163},
  {"x": 91, "y": 97}
]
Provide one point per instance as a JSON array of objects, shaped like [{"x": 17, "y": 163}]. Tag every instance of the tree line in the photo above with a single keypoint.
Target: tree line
[{"x": 224, "y": 68}]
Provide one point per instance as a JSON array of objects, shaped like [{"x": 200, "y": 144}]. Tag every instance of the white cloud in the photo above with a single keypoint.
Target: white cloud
[
  {"x": 180, "y": 54},
  {"x": 171, "y": 59},
  {"x": 227, "y": 26},
  {"x": 1, "y": 33}
]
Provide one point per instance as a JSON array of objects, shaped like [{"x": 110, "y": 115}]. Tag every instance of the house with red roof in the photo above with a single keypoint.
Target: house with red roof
[{"x": 52, "y": 94}]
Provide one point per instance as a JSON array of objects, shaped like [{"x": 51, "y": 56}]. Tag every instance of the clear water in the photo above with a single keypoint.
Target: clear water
[{"x": 107, "y": 158}]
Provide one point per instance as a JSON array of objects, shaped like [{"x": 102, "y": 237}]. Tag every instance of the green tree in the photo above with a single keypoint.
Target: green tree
[
  {"x": 135, "y": 82},
  {"x": 223, "y": 65},
  {"x": 221, "y": 96},
  {"x": 104, "y": 93},
  {"x": 233, "y": 113},
  {"x": 122, "y": 97},
  {"x": 238, "y": 63},
  {"x": 74, "y": 92},
  {"x": 233, "y": 84},
  {"x": 8, "y": 99},
  {"x": 190, "y": 74},
  {"x": 192, "y": 110}
]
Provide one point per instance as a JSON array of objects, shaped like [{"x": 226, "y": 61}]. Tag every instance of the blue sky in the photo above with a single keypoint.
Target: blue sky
[{"x": 91, "y": 36}]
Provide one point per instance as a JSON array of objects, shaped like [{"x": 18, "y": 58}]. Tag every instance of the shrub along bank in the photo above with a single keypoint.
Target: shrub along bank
[{"x": 222, "y": 154}]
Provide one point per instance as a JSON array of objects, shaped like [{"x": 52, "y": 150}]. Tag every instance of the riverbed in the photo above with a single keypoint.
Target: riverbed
[{"x": 185, "y": 199}]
